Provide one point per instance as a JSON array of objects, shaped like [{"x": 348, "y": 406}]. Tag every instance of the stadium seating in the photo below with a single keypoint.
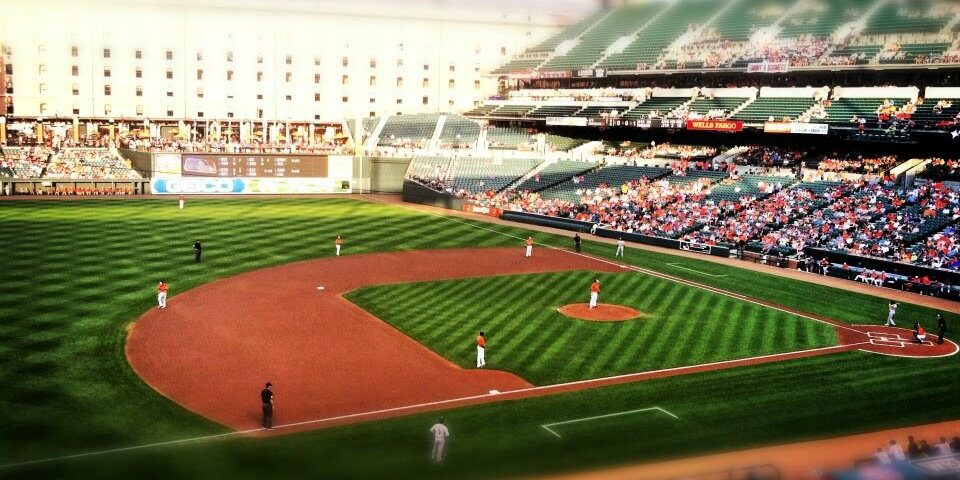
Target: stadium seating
[
  {"x": 594, "y": 43},
  {"x": 928, "y": 115},
  {"x": 88, "y": 164},
  {"x": 508, "y": 138},
  {"x": 459, "y": 131},
  {"x": 703, "y": 106},
  {"x": 412, "y": 128},
  {"x": 646, "y": 48},
  {"x": 764, "y": 108},
  {"x": 474, "y": 175},
  {"x": 613, "y": 176},
  {"x": 480, "y": 111},
  {"x": 559, "y": 143},
  {"x": 24, "y": 162},
  {"x": 842, "y": 110},
  {"x": 369, "y": 124},
  {"x": 663, "y": 105},
  {"x": 821, "y": 19},
  {"x": 555, "y": 173},
  {"x": 548, "y": 46},
  {"x": 901, "y": 16},
  {"x": 544, "y": 111},
  {"x": 511, "y": 110}
]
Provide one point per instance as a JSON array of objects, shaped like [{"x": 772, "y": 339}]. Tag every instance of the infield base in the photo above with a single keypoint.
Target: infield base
[{"x": 603, "y": 312}]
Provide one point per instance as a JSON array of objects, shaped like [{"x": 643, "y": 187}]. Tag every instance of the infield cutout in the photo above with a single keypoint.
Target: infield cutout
[{"x": 603, "y": 312}]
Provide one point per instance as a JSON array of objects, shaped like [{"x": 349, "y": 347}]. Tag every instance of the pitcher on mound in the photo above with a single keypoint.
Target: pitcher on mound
[{"x": 594, "y": 293}]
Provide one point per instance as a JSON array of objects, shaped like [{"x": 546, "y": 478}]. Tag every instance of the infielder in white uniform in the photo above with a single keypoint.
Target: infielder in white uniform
[
  {"x": 181, "y": 202},
  {"x": 620, "y": 244},
  {"x": 162, "y": 295},
  {"x": 481, "y": 350},
  {"x": 338, "y": 242},
  {"x": 440, "y": 433},
  {"x": 529, "y": 247},
  {"x": 892, "y": 312},
  {"x": 594, "y": 293}
]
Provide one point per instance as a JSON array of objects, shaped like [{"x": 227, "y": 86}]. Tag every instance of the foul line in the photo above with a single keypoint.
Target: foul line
[
  {"x": 547, "y": 426},
  {"x": 674, "y": 265}
]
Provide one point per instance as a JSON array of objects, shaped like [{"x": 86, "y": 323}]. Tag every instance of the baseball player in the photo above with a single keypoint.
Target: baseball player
[
  {"x": 338, "y": 243},
  {"x": 197, "y": 250},
  {"x": 481, "y": 348},
  {"x": 892, "y": 311},
  {"x": 266, "y": 398},
  {"x": 594, "y": 293},
  {"x": 529, "y": 247},
  {"x": 440, "y": 433},
  {"x": 620, "y": 245},
  {"x": 181, "y": 202},
  {"x": 162, "y": 295}
]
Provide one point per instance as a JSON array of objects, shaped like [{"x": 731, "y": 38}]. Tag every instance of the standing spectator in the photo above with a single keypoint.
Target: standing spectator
[
  {"x": 955, "y": 445},
  {"x": 896, "y": 451},
  {"x": 266, "y": 398},
  {"x": 943, "y": 448},
  {"x": 913, "y": 448},
  {"x": 882, "y": 457},
  {"x": 440, "y": 433},
  {"x": 197, "y": 248},
  {"x": 941, "y": 328}
]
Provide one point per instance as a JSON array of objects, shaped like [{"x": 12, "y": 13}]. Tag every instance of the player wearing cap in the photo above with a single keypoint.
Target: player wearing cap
[
  {"x": 181, "y": 202},
  {"x": 338, "y": 242},
  {"x": 440, "y": 433},
  {"x": 481, "y": 349},
  {"x": 162, "y": 295},
  {"x": 529, "y": 247},
  {"x": 594, "y": 293},
  {"x": 266, "y": 397}
]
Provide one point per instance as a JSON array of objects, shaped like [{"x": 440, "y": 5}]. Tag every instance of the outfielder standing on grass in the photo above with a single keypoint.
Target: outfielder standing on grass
[
  {"x": 529, "y": 247},
  {"x": 440, "y": 433},
  {"x": 594, "y": 293},
  {"x": 338, "y": 242},
  {"x": 481, "y": 348},
  {"x": 162, "y": 295},
  {"x": 619, "y": 248},
  {"x": 197, "y": 248},
  {"x": 181, "y": 202}
]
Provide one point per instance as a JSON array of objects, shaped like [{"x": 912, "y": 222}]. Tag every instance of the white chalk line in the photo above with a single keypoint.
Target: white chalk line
[
  {"x": 549, "y": 426},
  {"x": 622, "y": 378},
  {"x": 674, "y": 265}
]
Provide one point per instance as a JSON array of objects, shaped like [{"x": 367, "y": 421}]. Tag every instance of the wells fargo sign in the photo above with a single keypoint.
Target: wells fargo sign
[{"x": 715, "y": 125}]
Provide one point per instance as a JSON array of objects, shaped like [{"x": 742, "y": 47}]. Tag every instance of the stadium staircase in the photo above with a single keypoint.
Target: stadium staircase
[
  {"x": 633, "y": 37},
  {"x": 575, "y": 40},
  {"x": 434, "y": 143},
  {"x": 374, "y": 139}
]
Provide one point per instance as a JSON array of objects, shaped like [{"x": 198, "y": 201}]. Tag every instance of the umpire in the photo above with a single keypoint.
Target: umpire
[
  {"x": 266, "y": 397},
  {"x": 197, "y": 248},
  {"x": 576, "y": 242},
  {"x": 941, "y": 328}
]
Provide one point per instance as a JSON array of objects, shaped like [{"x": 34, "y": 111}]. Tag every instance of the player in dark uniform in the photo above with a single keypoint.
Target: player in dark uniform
[
  {"x": 197, "y": 248},
  {"x": 266, "y": 397},
  {"x": 941, "y": 328},
  {"x": 576, "y": 242}
]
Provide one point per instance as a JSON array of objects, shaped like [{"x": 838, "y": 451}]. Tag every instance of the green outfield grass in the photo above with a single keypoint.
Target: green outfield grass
[
  {"x": 75, "y": 273},
  {"x": 680, "y": 326}
]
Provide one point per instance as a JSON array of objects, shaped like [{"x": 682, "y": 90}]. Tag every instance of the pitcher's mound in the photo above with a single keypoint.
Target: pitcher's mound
[{"x": 601, "y": 313}]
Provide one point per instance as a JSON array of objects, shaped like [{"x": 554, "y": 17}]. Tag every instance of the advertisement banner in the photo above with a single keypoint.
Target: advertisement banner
[
  {"x": 489, "y": 211},
  {"x": 715, "y": 125},
  {"x": 166, "y": 165},
  {"x": 768, "y": 67},
  {"x": 796, "y": 128},
  {"x": 247, "y": 186},
  {"x": 567, "y": 121}
]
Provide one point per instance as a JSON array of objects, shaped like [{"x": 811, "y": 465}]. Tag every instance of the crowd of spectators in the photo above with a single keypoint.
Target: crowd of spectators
[
  {"x": 24, "y": 162},
  {"x": 658, "y": 150},
  {"x": 856, "y": 163},
  {"x": 771, "y": 156},
  {"x": 915, "y": 450},
  {"x": 89, "y": 164},
  {"x": 174, "y": 145}
]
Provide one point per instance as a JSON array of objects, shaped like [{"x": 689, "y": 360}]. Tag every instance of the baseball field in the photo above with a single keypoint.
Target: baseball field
[{"x": 367, "y": 349}]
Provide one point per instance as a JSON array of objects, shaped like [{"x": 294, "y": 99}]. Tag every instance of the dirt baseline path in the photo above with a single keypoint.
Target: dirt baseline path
[
  {"x": 333, "y": 363},
  {"x": 213, "y": 347}
]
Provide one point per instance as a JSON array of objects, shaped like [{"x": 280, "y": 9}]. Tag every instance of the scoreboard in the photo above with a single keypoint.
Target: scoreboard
[{"x": 254, "y": 166}]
